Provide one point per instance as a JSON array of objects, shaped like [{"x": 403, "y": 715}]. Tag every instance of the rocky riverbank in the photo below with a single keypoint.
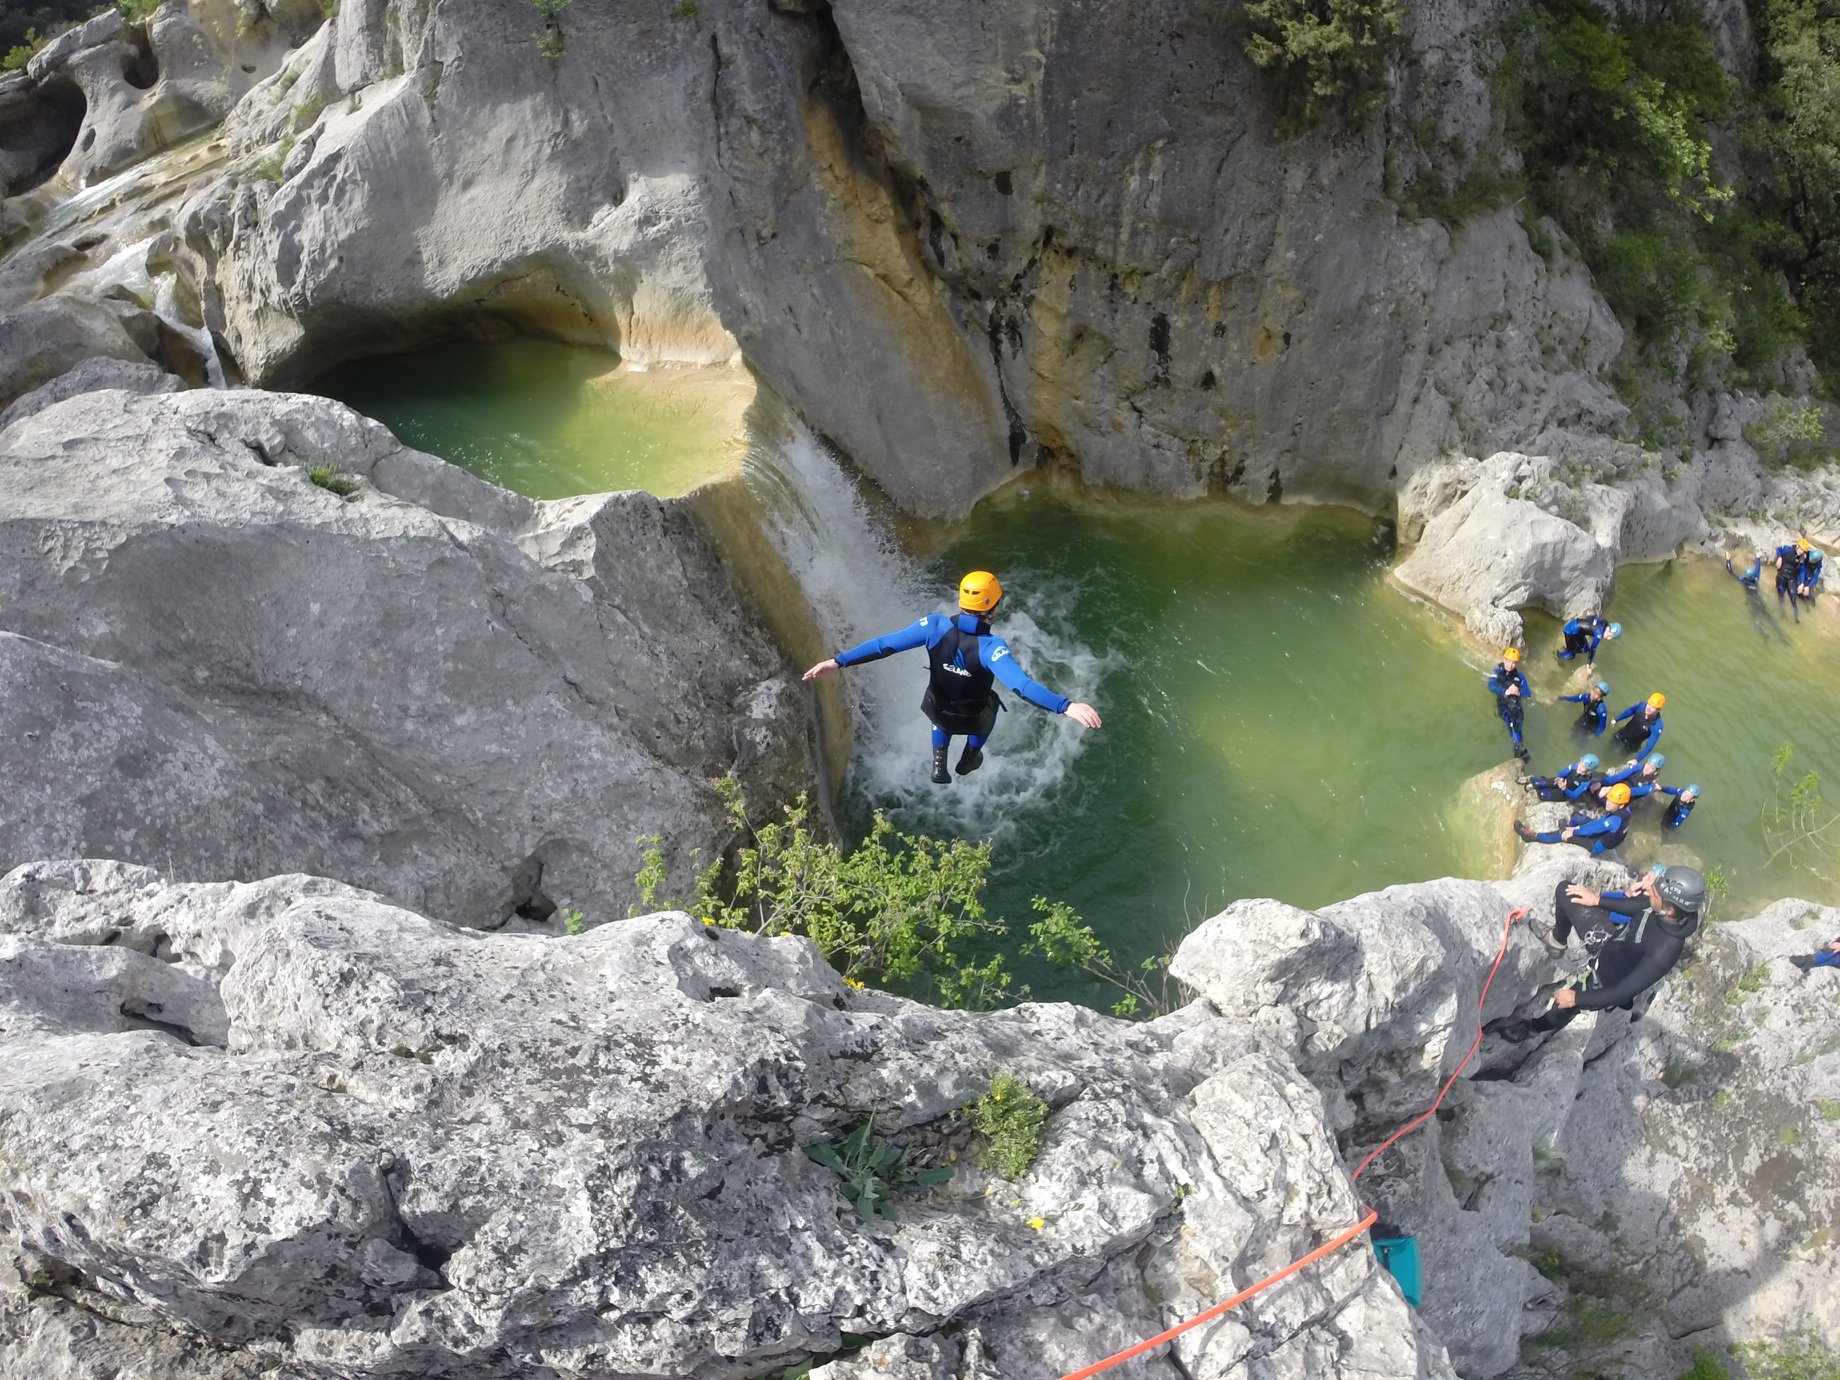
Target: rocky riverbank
[{"x": 286, "y": 1125}]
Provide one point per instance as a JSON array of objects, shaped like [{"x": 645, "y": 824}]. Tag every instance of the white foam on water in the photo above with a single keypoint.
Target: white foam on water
[{"x": 860, "y": 584}]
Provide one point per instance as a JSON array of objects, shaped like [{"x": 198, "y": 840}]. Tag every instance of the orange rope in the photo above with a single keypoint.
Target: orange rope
[{"x": 1329, "y": 1247}]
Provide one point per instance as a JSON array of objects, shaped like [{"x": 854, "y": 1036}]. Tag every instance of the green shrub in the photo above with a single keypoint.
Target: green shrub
[
  {"x": 687, "y": 9},
  {"x": 1327, "y": 54},
  {"x": 273, "y": 165},
  {"x": 1010, "y": 1117},
  {"x": 1802, "y": 1357},
  {"x": 137, "y": 11},
  {"x": 1789, "y": 433},
  {"x": 871, "y": 1169},
  {"x": 1707, "y": 1365},
  {"x": 307, "y": 112},
  {"x": 18, "y": 57},
  {"x": 333, "y": 482},
  {"x": 573, "y": 921}
]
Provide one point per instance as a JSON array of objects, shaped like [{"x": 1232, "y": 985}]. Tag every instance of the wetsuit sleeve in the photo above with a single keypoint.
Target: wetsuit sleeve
[
  {"x": 996, "y": 655},
  {"x": 888, "y": 644},
  {"x": 1591, "y": 828},
  {"x": 1634, "y": 708},
  {"x": 1653, "y": 966},
  {"x": 1621, "y": 774},
  {"x": 1622, "y": 905},
  {"x": 1827, "y": 958},
  {"x": 1670, "y": 790},
  {"x": 1573, "y": 699},
  {"x": 1653, "y": 739}
]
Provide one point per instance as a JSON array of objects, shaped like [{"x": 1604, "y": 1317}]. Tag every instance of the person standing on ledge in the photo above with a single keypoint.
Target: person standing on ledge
[
  {"x": 1642, "y": 734},
  {"x": 1509, "y": 685},
  {"x": 964, "y": 659},
  {"x": 1812, "y": 563},
  {"x": 1789, "y": 558},
  {"x": 1583, "y": 636}
]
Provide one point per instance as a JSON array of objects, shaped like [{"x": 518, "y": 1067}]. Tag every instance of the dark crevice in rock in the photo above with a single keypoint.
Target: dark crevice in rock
[
  {"x": 1274, "y": 492},
  {"x": 141, "y": 70},
  {"x": 148, "y": 1015},
  {"x": 1159, "y": 348},
  {"x": 45, "y": 121}
]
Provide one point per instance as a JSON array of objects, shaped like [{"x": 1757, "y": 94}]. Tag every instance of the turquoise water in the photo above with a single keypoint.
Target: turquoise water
[
  {"x": 552, "y": 421},
  {"x": 1280, "y": 720}
]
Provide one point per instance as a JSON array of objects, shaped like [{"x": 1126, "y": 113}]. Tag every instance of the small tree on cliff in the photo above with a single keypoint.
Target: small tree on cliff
[{"x": 1328, "y": 54}]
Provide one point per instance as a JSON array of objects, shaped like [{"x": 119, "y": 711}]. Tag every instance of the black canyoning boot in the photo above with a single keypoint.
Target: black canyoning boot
[
  {"x": 969, "y": 760},
  {"x": 941, "y": 777}
]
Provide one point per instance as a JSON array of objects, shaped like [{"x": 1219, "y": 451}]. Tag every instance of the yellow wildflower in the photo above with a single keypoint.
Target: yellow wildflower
[
  {"x": 852, "y": 982},
  {"x": 1038, "y": 1222},
  {"x": 709, "y": 919}
]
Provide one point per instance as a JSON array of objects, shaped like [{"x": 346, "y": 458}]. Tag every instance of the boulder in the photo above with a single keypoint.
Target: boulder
[
  {"x": 435, "y": 689},
  {"x": 92, "y": 375},
  {"x": 48, "y": 338},
  {"x": 415, "y": 1149},
  {"x": 1491, "y": 553}
]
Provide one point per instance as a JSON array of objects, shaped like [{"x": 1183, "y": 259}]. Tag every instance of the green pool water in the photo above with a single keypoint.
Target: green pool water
[
  {"x": 1279, "y": 719},
  {"x": 551, "y": 421}
]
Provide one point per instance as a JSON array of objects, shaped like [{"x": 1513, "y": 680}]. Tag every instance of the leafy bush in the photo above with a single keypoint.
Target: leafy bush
[
  {"x": 1789, "y": 433},
  {"x": 1328, "y": 54},
  {"x": 18, "y": 57},
  {"x": 871, "y": 1169},
  {"x": 901, "y": 910},
  {"x": 1803, "y": 1357},
  {"x": 329, "y": 479},
  {"x": 1707, "y": 1365},
  {"x": 137, "y": 11},
  {"x": 1010, "y": 1117}
]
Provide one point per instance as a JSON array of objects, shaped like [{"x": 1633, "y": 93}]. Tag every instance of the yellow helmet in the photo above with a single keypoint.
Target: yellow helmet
[
  {"x": 1801, "y": 543},
  {"x": 1657, "y": 700},
  {"x": 1510, "y": 654},
  {"x": 979, "y": 591},
  {"x": 1619, "y": 796}
]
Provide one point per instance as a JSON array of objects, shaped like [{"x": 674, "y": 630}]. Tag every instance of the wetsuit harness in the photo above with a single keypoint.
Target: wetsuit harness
[
  {"x": 964, "y": 658},
  {"x": 1633, "y": 946}
]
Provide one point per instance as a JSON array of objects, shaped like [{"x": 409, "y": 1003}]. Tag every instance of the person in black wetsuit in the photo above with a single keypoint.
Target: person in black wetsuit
[
  {"x": 1789, "y": 557},
  {"x": 1583, "y": 636},
  {"x": 1599, "y": 834},
  {"x": 964, "y": 659},
  {"x": 1635, "y": 938},
  {"x": 1595, "y": 716}
]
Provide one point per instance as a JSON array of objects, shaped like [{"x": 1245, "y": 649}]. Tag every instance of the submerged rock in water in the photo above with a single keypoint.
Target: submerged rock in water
[
  {"x": 437, "y": 690},
  {"x": 296, "y": 1119}
]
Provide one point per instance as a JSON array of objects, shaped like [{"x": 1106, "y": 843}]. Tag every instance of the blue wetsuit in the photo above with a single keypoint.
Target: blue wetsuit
[
  {"x": 965, "y": 655},
  {"x": 1677, "y": 812},
  {"x": 1812, "y": 565},
  {"x": 1571, "y": 783},
  {"x": 1600, "y": 835},
  {"x": 1595, "y": 716},
  {"x": 1827, "y": 958},
  {"x": 1652, "y": 727},
  {"x": 1510, "y": 707},
  {"x": 1750, "y": 578},
  {"x": 1581, "y": 631}
]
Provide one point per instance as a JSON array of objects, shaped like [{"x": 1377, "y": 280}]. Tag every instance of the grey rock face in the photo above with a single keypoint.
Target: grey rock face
[
  {"x": 439, "y": 690},
  {"x": 415, "y": 1150},
  {"x": 1656, "y": 1179},
  {"x": 959, "y": 241}
]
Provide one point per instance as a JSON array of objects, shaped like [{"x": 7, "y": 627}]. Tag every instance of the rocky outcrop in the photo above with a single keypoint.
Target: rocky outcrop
[
  {"x": 438, "y": 690},
  {"x": 386, "y": 1146},
  {"x": 1608, "y": 1198},
  {"x": 900, "y": 217}
]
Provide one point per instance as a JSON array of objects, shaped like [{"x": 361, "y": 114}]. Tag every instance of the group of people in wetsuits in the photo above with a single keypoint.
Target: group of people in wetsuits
[
  {"x": 1633, "y": 937},
  {"x": 1798, "y": 564},
  {"x": 1604, "y": 798}
]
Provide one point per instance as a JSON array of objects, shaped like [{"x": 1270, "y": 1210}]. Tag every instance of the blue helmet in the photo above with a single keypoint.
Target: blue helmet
[
  {"x": 1602, "y": 687},
  {"x": 1614, "y": 630},
  {"x": 1588, "y": 762},
  {"x": 1654, "y": 761},
  {"x": 1692, "y": 791}
]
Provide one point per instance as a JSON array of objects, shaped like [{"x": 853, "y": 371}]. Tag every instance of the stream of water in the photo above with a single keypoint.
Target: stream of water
[{"x": 1279, "y": 719}]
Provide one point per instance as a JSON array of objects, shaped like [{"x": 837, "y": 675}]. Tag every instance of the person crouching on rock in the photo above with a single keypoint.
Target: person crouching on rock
[
  {"x": 1600, "y": 835},
  {"x": 1635, "y": 938},
  {"x": 1583, "y": 636},
  {"x": 1509, "y": 685},
  {"x": 964, "y": 659},
  {"x": 1642, "y": 776},
  {"x": 1642, "y": 734},
  {"x": 1570, "y": 783},
  {"x": 1594, "y": 718}
]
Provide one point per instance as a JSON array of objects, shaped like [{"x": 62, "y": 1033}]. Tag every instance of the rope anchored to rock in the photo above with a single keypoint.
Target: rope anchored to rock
[{"x": 1369, "y": 1216}]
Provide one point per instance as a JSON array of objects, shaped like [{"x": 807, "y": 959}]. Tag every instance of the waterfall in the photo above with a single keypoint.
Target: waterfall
[
  {"x": 859, "y": 582},
  {"x": 126, "y": 274}
]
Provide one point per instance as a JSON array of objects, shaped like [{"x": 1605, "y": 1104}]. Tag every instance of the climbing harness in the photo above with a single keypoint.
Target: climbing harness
[{"x": 1369, "y": 1216}]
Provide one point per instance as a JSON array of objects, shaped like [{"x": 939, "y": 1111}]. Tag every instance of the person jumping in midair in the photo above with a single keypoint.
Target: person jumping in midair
[{"x": 964, "y": 659}]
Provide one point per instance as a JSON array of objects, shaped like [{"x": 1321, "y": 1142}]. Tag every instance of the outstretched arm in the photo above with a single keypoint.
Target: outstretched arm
[
  {"x": 1002, "y": 663},
  {"x": 905, "y": 640}
]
